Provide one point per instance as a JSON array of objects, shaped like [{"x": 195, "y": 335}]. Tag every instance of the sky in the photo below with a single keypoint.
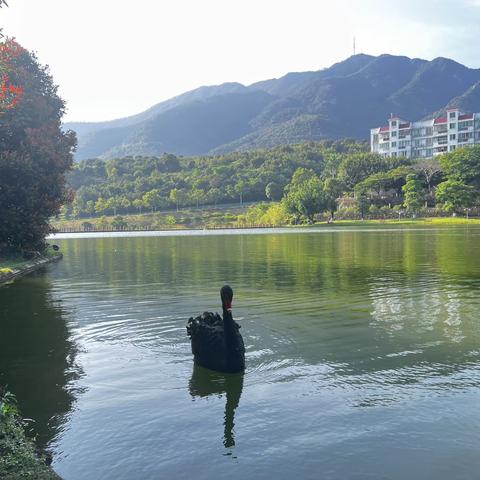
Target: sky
[{"x": 114, "y": 58}]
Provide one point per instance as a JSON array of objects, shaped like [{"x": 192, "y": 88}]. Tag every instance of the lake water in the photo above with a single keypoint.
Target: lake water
[{"x": 363, "y": 356}]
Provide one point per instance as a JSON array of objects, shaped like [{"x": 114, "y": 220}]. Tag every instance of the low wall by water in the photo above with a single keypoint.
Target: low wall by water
[
  {"x": 27, "y": 267},
  {"x": 159, "y": 229}
]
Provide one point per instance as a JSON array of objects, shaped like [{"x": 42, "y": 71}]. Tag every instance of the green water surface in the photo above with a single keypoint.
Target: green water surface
[{"x": 363, "y": 356}]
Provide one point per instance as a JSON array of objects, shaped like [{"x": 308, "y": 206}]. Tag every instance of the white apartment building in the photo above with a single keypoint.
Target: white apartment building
[{"x": 426, "y": 138}]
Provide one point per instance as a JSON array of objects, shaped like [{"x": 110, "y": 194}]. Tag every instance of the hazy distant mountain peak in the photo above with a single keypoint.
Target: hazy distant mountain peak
[{"x": 344, "y": 100}]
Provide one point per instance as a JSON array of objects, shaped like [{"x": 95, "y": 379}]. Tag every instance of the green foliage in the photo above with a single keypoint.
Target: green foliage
[
  {"x": 276, "y": 215},
  {"x": 153, "y": 199},
  {"x": 87, "y": 226},
  {"x": 357, "y": 167},
  {"x": 362, "y": 203},
  {"x": 306, "y": 197},
  {"x": 179, "y": 181},
  {"x": 336, "y": 169},
  {"x": 8, "y": 404},
  {"x": 333, "y": 189},
  {"x": 454, "y": 195},
  {"x": 273, "y": 214},
  {"x": 430, "y": 169},
  {"x": 18, "y": 457},
  {"x": 462, "y": 187},
  {"x": 119, "y": 223},
  {"x": 383, "y": 188},
  {"x": 170, "y": 220},
  {"x": 274, "y": 191},
  {"x": 35, "y": 154},
  {"x": 414, "y": 193},
  {"x": 463, "y": 165},
  {"x": 301, "y": 175},
  {"x": 102, "y": 223}
]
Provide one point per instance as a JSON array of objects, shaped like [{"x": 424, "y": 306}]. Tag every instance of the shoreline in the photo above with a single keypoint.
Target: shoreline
[
  {"x": 337, "y": 225},
  {"x": 10, "y": 274},
  {"x": 20, "y": 458}
]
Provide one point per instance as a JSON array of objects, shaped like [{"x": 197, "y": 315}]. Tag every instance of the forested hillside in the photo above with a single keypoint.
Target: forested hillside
[
  {"x": 131, "y": 184},
  {"x": 309, "y": 179}
]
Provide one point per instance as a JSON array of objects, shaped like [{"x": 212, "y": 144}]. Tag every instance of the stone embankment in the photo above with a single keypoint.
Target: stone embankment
[{"x": 8, "y": 275}]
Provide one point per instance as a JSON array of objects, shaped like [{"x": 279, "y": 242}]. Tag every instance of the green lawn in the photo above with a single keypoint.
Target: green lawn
[
  {"x": 431, "y": 221},
  {"x": 207, "y": 216},
  {"x": 228, "y": 216}
]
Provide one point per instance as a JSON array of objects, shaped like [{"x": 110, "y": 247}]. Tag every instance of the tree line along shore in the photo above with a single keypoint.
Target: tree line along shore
[
  {"x": 291, "y": 184},
  {"x": 212, "y": 220}
]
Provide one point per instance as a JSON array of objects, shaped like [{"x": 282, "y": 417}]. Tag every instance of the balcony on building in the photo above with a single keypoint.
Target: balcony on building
[
  {"x": 384, "y": 134},
  {"x": 443, "y": 140},
  {"x": 465, "y": 122},
  {"x": 404, "y": 130},
  {"x": 440, "y": 125},
  {"x": 466, "y": 137}
]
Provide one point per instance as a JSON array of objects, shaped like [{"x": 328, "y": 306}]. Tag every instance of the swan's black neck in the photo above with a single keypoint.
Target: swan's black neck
[
  {"x": 226, "y": 294},
  {"x": 229, "y": 324},
  {"x": 229, "y": 327}
]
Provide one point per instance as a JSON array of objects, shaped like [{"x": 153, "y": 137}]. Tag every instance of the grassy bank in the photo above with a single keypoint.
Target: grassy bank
[
  {"x": 12, "y": 262},
  {"x": 203, "y": 217},
  {"x": 19, "y": 458},
  {"x": 13, "y": 266},
  {"x": 429, "y": 221},
  {"x": 228, "y": 217}
]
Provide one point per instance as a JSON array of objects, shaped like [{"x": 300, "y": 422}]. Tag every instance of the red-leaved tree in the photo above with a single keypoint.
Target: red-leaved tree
[
  {"x": 10, "y": 94},
  {"x": 35, "y": 153}
]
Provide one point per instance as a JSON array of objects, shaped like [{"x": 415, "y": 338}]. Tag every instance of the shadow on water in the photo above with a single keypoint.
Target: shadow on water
[
  {"x": 205, "y": 383},
  {"x": 37, "y": 356}
]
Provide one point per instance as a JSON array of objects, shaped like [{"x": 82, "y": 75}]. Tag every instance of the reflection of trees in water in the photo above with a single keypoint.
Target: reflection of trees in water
[
  {"x": 423, "y": 329},
  {"x": 396, "y": 289},
  {"x": 419, "y": 309},
  {"x": 37, "y": 357},
  {"x": 206, "y": 382},
  {"x": 338, "y": 261}
]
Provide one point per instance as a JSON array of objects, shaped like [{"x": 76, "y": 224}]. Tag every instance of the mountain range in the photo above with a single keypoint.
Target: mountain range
[{"x": 344, "y": 100}]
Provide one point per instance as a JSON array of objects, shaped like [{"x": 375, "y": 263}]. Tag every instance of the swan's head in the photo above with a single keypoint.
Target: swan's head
[{"x": 226, "y": 294}]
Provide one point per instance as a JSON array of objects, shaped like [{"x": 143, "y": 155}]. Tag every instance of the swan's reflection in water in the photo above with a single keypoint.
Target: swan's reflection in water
[{"x": 206, "y": 382}]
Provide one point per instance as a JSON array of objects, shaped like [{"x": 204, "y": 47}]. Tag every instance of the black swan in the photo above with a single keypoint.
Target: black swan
[
  {"x": 216, "y": 342},
  {"x": 205, "y": 383}
]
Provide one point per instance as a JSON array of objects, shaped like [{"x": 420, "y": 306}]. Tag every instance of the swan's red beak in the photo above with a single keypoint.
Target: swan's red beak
[{"x": 229, "y": 305}]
